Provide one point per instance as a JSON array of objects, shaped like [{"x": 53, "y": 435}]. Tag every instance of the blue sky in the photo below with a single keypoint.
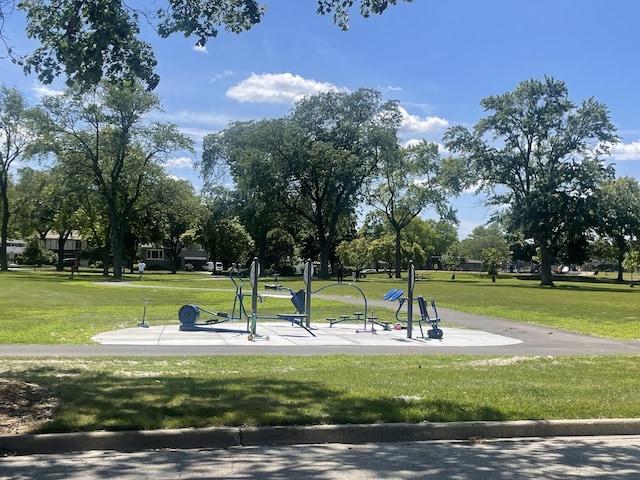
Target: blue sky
[{"x": 437, "y": 58}]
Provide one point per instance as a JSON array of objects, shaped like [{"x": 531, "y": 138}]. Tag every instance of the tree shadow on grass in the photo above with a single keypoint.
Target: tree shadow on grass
[
  {"x": 559, "y": 286},
  {"x": 92, "y": 401}
]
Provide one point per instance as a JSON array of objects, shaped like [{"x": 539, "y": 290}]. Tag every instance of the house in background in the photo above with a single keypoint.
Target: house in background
[
  {"x": 15, "y": 248},
  {"x": 156, "y": 258},
  {"x": 73, "y": 246}
]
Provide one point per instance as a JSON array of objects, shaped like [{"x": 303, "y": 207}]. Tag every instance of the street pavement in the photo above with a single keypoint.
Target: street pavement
[{"x": 608, "y": 457}]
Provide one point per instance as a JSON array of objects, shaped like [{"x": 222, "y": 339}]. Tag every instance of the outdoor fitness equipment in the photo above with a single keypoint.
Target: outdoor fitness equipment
[
  {"x": 144, "y": 323},
  {"x": 435, "y": 332},
  {"x": 189, "y": 315}
]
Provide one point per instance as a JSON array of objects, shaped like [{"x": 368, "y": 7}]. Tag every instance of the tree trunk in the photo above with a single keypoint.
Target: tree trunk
[
  {"x": 398, "y": 255},
  {"x": 620, "y": 268},
  {"x": 62, "y": 239},
  {"x": 117, "y": 239},
  {"x": 325, "y": 246},
  {"x": 4, "y": 264},
  {"x": 546, "y": 276}
]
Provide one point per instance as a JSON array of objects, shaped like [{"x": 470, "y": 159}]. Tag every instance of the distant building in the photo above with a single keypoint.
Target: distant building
[
  {"x": 73, "y": 246},
  {"x": 156, "y": 258},
  {"x": 15, "y": 248}
]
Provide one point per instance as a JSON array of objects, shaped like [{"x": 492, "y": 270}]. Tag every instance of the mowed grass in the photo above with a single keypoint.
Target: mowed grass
[
  {"x": 151, "y": 393},
  {"x": 47, "y": 307},
  {"x": 146, "y": 393}
]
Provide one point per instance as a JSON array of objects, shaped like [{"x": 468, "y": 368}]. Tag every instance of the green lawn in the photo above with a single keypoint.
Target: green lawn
[
  {"x": 48, "y": 307},
  {"x": 40, "y": 307},
  {"x": 172, "y": 392}
]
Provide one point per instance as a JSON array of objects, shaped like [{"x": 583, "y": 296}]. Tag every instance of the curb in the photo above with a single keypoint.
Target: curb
[{"x": 225, "y": 437}]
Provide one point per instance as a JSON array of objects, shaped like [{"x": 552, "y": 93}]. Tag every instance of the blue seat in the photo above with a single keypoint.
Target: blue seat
[
  {"x": 389, "y": 293},
  {"x": 396, "y": 295}
]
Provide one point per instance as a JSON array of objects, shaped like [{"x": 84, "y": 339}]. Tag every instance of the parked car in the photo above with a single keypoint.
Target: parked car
[{"x": 213, "y": 267}]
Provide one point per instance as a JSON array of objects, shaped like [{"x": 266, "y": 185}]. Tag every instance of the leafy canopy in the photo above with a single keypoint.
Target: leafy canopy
[
  {"x": 540, "y": 155},
  {"x": 92, "y": 40}
]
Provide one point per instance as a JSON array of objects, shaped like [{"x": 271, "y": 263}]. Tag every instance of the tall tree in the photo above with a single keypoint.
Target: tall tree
[
  {"x": 34, "y": 210},
  {"x": 245, "y": 148},
  {"x": 409, "y": 182},
  {"x": 103, "y": 136},
  {"x": 178, "y": 210},
  {"x": 317, "y": 162},
  {"x": 19, "y": 126},
  {"x": 619, "y": 217},
  {"x": 92, "y": 40},
  {"x": 534, "y": 153},
  {"x": 339, "y": 141}
]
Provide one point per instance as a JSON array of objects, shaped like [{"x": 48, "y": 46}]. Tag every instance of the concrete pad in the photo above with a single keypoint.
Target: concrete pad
[{"x": 275, "y": 333}]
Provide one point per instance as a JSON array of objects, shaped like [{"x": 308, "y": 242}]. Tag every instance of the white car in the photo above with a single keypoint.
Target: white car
[{"x": 213, "y": 267}]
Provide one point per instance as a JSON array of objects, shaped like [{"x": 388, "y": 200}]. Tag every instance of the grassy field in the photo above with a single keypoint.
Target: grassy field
[
  {"x": 151, "y": 393},
  {"x": 46, "y": 307}
]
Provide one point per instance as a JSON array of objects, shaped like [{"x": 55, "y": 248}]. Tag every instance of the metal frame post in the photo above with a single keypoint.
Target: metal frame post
[
  {"x": 411, "y": 281},
  {"x": 307, "y": 273}
]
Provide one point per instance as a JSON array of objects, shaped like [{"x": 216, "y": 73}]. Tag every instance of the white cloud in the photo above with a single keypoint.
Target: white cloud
[
  {"x": 277, "y": 88},
  {"x": 625, "y": 151},
  {"x": 219, "y": 76},
  {"x": 442, "y": 150},
  {"x": 41, "y": 91},
  {"x": 200, "y": 48},
  {"x": 180, "y": 162},
  {"x": 412, "y": 124}
]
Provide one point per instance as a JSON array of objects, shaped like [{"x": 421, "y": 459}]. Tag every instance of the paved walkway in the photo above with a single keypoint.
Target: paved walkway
[{"x": 591, "y": 458}]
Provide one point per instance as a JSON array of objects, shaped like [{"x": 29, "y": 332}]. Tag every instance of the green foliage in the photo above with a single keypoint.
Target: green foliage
[
  {"x": 92, "y": 40},
  {"x": 534, "y": 152},
  {"x": 631, "y": 261},
  {"x": 280, "y": 244},
  {"x": 341, "y": 8},
  {"x": 35, "y": 253},
  {"x": 486, "y": 243},
  {"x": 77, "y": 39},
  {"x": 101, "y": 137},
  {"x": 492, "y": 259},
  {"x": 20, "y": 130},
  {"x": 357, "y": 253},
  {"x": 227, "y": 240},
  {"x": 619, "y": 215},
  {"x": 453, "y": 257},
  {"x": 316, "y": 162},
  {"x": 409, "y": 181}
]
